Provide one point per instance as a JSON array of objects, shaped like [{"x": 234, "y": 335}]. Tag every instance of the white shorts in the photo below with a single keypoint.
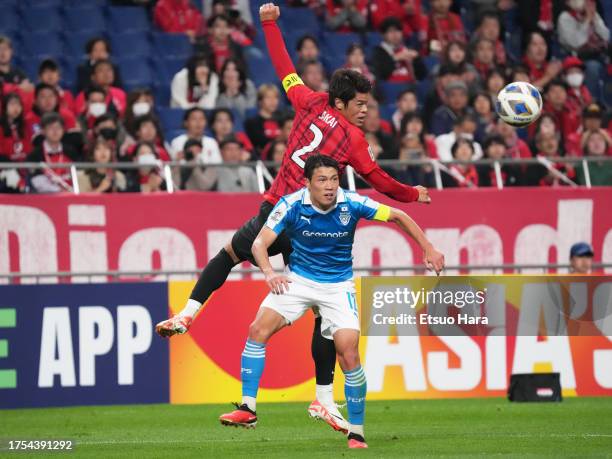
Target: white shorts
[{"x": 334, "y": 302}]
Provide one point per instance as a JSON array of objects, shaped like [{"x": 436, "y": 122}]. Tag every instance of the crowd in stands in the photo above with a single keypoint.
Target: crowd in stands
[{"x": 437, "y": 66}]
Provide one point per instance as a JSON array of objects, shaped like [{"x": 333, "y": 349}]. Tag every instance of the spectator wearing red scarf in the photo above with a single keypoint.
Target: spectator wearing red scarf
[
  {"x": 14, "y": 143},
  {"x": 52, "y": 151},
  {"x": 407, "y": 11},
  {"x": 95, "y": 107},
  {"x": 392, "y": 60},
  {"x": 548, "y": 148},
  {"x": 443, "y": 27},
  {"x": 541, "y": 71},
  {"x": 461, "y": 175},
  {"x": 178, "y": 16}
]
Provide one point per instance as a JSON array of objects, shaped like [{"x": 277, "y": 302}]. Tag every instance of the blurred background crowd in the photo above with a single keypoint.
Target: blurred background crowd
[{"x": 149, "y": 82}]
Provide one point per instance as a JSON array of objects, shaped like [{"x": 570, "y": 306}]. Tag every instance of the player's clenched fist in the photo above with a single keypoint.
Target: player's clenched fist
[
  {"x": 269, "y": 12},
  {"x": 423, "y": 194}
]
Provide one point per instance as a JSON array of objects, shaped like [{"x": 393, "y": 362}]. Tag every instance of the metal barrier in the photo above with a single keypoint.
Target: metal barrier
[
  {"x": 264, "y": 175},
  {"x": 160, "y": 275}
]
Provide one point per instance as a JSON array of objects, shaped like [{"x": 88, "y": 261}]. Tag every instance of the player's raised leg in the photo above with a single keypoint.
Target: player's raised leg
[
  {"x": 355, "y": 387},
  {"x": 324, "y": 356},
  {"x": 252, "y": 365}
]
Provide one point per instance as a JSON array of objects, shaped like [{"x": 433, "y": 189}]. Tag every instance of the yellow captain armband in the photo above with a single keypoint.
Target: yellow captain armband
[
  {"x": 291, "y": 80},
  {"x": 383, "y": 213}
]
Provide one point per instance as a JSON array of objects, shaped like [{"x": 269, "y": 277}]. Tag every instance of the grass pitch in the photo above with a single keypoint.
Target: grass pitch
[{"x": 577, "y": 427}]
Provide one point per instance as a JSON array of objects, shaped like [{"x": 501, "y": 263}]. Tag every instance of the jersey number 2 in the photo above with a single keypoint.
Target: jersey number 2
[{"x": 316, "y": 141}]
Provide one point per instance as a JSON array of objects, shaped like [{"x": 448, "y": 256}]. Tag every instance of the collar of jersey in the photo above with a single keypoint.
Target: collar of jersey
[{"x": 340, "y": 197}]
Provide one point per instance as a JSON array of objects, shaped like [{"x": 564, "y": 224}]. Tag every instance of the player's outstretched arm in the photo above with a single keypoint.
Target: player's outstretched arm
[
  {"x": 431, "y": 257},
  {"x": 278, "y": 283},
  {"x": 268, "y": 14},
  {"x": 387, "y": 185}
]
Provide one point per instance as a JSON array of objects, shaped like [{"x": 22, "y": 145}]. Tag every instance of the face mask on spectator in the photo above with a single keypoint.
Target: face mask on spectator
[
  {"x": 97, "y": 109},
  {"x": 148, "y": 159},
  {"x": 575, "y": 79},
  {"x": 141, "y": 108},
  {"x": 109, "y": 133},
  {"x": 577, "y": 5},
  {"x": 468, "y": 136}
]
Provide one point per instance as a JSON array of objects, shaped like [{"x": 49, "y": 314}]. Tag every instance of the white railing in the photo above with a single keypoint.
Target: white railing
[{"x": 263, "y": 173}]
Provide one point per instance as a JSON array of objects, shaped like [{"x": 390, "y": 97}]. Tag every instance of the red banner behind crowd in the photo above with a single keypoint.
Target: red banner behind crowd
[{"x": 135, "y": 232}]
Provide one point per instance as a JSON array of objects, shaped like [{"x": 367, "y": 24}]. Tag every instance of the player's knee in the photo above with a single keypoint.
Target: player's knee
[
  {"x": 348, "y": 358},
  {"x": 230, "y": 251},
  {"x": 259, "y": 332}
]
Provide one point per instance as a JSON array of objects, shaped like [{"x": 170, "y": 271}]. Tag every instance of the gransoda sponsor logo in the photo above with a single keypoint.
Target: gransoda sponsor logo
[{"x": 338, "y": 234}]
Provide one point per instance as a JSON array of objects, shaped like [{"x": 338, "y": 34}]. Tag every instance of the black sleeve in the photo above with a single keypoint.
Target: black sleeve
[
  {"x": 420, "y": 71},
  {"x": 254, "y": 130},
  {"x": 382, "y": 63},
  {"x": 83, "y": 77}
]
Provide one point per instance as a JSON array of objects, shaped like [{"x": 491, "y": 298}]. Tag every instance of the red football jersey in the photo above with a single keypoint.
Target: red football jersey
[{"x": 318, "y": 128}]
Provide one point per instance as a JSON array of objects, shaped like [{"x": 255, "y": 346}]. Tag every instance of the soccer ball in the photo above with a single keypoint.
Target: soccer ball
[{"x": 519, "y": 104}]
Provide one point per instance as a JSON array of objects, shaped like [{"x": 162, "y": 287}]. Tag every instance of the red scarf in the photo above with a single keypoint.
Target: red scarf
[{"x": 57, "y": 157}]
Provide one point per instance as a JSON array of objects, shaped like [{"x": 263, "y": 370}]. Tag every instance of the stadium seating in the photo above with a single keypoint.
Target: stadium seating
[
  {"x": 9, "y": 19},
  {"x": 131, "y": 44},
  {"x": 135, "y": 73},
  {"x": 128, "y": 18},
  {"x": 300, "y": 19},
  {"x": 172, "y": 44},
  {"x": 42, "y": 19},
  {"x": 337, "y": 44},
  {"x": 262, "y": 70},
  {"x": 171, "y": 118},
  {"x": 75, "y": 42},
  {"x": 42, "y": 44},
  {"x": 89, "y": 18}
]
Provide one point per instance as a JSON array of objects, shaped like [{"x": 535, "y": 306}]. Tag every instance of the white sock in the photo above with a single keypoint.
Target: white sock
[
  {"x": 191, "y": 308},
  {"x": 325, "y": 394},
  {"x": 251, "y": 402},
  {"x": 357, "y": 429}
]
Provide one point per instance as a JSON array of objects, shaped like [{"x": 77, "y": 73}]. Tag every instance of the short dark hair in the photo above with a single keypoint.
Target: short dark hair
[
  {"x": 51, "y": 118},
  {"x": 42, "y": 86},
  {"x": 192, "y": 143},
  {"x": 139, "y": 121},
  {"x": 104, "y": 118},
  {"x": 100, "y": 63},
  {"x": 91, "y": 43},
  {"x": 216, "y": 17},
  {"x": 218, "y": 111},
  {"x": 494, "y": 139},
  {"x": 555, "y": 82},
  {"x": 48, "y": 64},
  {"x": 390, "y": 22},
  {"x": 469, "y": 117},
  {"x": 228, "y": 140},
  {"x": 345, "y": 84},
  {"x": 94, "y": 88},
  {"x": 315, "y": 161},
  {"x": 303, "y": 39},
  {"x": 191, "y": 110},
  {"x": 462, "y": 141}
]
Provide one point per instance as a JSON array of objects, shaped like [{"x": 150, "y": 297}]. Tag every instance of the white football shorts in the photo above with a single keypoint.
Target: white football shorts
[{"x": 334, "y": 302}]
